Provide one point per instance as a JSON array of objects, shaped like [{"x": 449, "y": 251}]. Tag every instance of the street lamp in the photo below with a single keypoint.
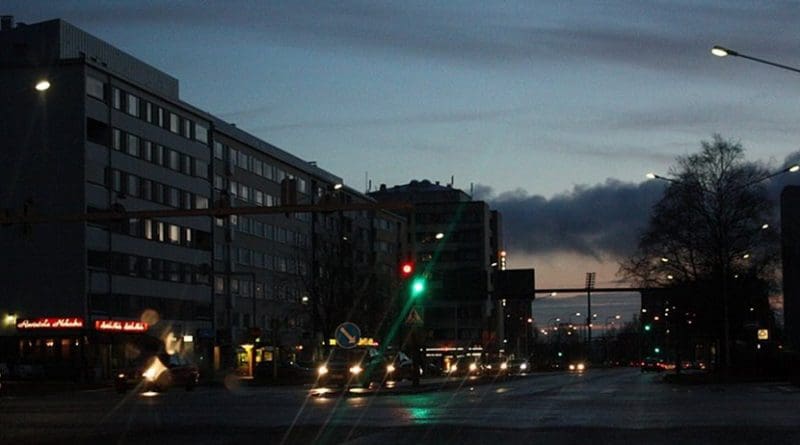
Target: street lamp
[
  {"x": 720, "y": 51},
  {"x": 42, "y": 85}
]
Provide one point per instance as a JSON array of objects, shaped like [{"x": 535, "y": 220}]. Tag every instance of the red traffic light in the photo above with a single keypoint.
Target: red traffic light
[{"x": 407, "y": 269}]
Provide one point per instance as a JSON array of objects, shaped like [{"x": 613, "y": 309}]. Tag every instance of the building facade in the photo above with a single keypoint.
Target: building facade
[
  {"x": 110, "y": 133},
  {"x": 455, "y": 243}
]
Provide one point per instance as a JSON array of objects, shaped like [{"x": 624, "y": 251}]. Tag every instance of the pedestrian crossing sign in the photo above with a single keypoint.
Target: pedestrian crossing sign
[{"x": 413, "y": 317}]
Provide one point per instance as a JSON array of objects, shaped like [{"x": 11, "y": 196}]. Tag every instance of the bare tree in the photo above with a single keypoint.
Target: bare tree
[{"x": 707, "y": 234}]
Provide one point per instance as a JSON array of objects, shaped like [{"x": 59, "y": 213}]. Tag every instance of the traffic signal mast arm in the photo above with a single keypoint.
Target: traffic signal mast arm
[{"x": 111, "y": 215}]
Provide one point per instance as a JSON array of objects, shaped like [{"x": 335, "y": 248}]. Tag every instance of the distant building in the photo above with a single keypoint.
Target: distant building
[
  {"x": 112, "y": 133},
  {"x": 455, "y": 243}
]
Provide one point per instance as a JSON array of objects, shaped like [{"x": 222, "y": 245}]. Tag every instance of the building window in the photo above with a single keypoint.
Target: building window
[
  {"x": 174, "y": 160},
  {"x": 116, "y": 98},
  {"x": 201, "y": 133},
  {"x": 187, "y": 128},
  {"x": 219, "y": 182},
  {"x": 219, "y": 150},
  {"x": 95, "y": 88},
  {"x": 132, "y": 145},
  {"x": 174, "y": 234},
  {"x": 147, "y": 151},
  {"x": 201, "y": 202},
  {"x": 200, "y": 169},
  {"x": 132, "y": 105},
  {"x": 133, "y": 186},
  {"x": 174, "y": 123}
]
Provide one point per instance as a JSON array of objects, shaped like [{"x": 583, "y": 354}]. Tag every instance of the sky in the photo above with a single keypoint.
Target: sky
[{"x": 550, "y": 111}]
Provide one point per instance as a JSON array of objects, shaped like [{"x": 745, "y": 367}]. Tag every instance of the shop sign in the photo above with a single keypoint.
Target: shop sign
[
  {"x": 120, "y": 325},
  {"x": 51, "y": 323}
]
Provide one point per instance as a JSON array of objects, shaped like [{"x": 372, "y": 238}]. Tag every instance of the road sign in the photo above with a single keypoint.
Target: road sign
[
  {"x": 347, "y": 335},
  {"x": 414, "y": 317}
]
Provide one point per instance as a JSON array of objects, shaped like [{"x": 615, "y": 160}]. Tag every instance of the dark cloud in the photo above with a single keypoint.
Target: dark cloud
[
  {"x": 605, "y": 219},
  {"x": 602, "y": 220}
]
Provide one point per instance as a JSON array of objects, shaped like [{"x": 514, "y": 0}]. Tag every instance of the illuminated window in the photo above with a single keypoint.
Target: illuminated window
[{"x": 174, "y": 234}]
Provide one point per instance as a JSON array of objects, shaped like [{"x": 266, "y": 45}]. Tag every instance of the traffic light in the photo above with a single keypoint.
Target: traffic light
[
  {"x": 657, "y": 350},
  {"x": 406, "y": 269},
  {"x": 647, "y": 327},
  {"x": 417, "y": 286}
]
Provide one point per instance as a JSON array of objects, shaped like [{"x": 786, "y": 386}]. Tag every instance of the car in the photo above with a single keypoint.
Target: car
[
  {"x": 652, "y": 364},
  {"x": 399, "y": 366},
  {"x": 496, "y": 368},
  {"x": 158, "y": 373},
  {"x": 518, "y": 366},
  {"x": 577, "y": 366},
  {"x": 465, "y": 367},
  {"x": 353, "y": 367}
]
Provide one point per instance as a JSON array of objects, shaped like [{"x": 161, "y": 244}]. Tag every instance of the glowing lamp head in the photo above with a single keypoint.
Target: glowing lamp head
[
  {"x": 322, "y": 370},
  {"x": 473, "y": 366},
  {"x": 355, "y": 370},
  {"x": 42, "y": 85},
  {"x": 406, "y": 269}
]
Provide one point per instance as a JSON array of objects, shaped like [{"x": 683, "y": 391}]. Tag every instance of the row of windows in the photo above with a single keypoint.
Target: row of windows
[
  {"x": 256, "y": 166},
  {"x": 158, "y": 154},
  {"x": 125, "y": 306},
  {"x": 246, "y": 193},
  {"x": 160, "y": 231},
  {"x": 244, "y": 320},
  {"x": 279, "y": 291},
  {"x": 262, "y": 260},
  {"x": 147, "y": 111},
  {"x": 135, "y": 186},
  {"x": 252, "y": 226},
  {"x": 147, "y": 267}
]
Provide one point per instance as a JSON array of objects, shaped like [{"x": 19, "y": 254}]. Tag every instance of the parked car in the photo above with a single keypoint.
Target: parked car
[{"x": 158, "y": 373}]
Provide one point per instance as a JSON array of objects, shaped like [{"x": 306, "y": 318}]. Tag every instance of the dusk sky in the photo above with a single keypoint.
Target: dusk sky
[{"x": 554, "y": 111}]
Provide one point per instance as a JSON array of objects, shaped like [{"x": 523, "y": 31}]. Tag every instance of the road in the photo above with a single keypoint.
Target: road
[{"x": 602, "y": 406}]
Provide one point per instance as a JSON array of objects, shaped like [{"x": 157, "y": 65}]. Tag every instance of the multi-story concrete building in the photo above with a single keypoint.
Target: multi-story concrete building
[
  {"x": 109, "y": 132},
  {"x": 456, "y": 244}
]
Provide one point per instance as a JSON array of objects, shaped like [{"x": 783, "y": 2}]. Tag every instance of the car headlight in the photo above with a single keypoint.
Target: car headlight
[
  {"x": 355, "y": 369},
  {"x": 571, "y": 367},
  {"x": 322, "y": 370},
  {"x": 120, "y": 376},
  {"x": 581, "y": 367},
  {"x": 488, "y": 367},
  {"x": 473, "y": 366},
  {"x": 504, "y": 366},
  {"x": 390, "y": 368},
  {"x": 523, "y": 366},
  {"x": 453, "y": 367}
]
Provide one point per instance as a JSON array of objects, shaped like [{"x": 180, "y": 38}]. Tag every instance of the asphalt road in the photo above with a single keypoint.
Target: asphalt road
[{"x": 599, "y": 406}]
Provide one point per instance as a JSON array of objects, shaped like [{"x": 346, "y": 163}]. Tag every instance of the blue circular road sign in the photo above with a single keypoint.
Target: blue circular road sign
[{"x": 347, "y": 335}]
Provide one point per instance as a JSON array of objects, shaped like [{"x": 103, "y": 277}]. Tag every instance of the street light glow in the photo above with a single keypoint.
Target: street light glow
[
  {"x": 650, "y": 175},
  {"x": 664, "y": 260},
  {"x": 42, "y": 85},
  {"x": 338, "y": 186},
  {"x": 794, "y": 168},
  {"x": 765, "y": 227},
  {"x": 439, "y": 235},
  {"x": 722, "y": 52}
]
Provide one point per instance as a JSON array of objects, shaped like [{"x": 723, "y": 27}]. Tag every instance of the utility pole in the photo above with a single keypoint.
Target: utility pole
[{"x": 590, "y": 279}]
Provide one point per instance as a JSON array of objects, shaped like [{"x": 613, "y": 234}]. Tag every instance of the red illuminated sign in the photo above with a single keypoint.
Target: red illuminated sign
[
  {"x": 120, "y": 325},
  {"x": 51, "y": 323}
]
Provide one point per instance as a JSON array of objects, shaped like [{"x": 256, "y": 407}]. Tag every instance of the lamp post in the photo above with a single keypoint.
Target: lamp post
[{"x": 720, "y": 51}]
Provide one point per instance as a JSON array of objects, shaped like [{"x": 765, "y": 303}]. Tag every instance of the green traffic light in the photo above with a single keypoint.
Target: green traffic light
[
  {"x": 647, "y": 327},
  {"x": 417, "y": 287},
  {"x": 657, "y": 350}
]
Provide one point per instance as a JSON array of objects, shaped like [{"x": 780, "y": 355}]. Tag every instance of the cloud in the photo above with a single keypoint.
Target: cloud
[
  {"x": 601, "y": 220},
  {"x": 663, "y": 36}
]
